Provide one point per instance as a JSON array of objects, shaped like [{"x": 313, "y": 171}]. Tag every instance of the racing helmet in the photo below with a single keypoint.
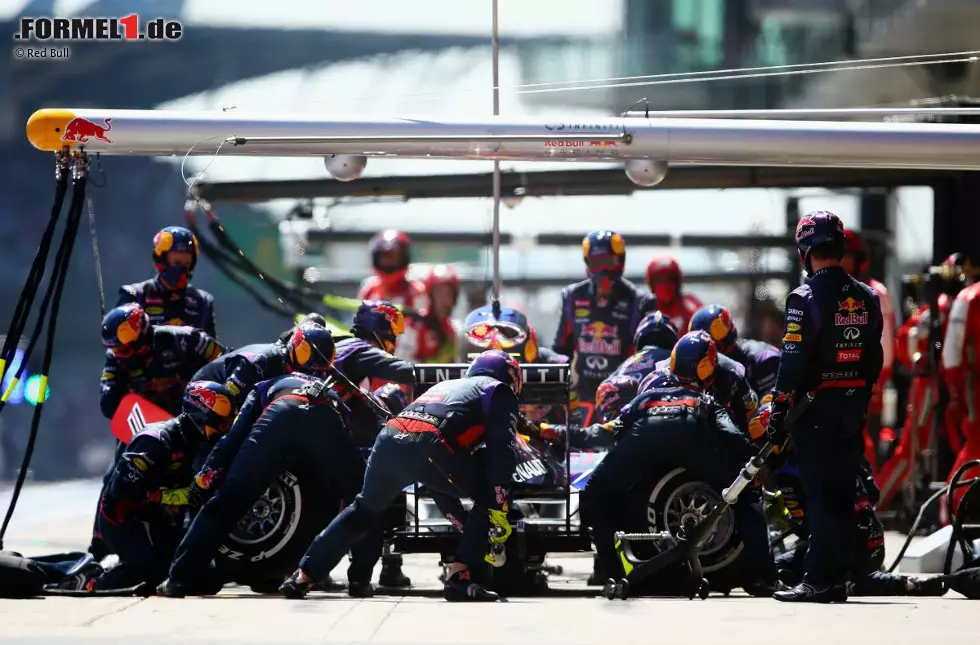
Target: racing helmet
[
  {"x": 126, "y": 331},
  {"x": 393, "y": 397},
  {"x": 855, "y": 247},
  {"x": 499, "y": 365},
  {"x": 390, "y": 272},
  {"x": 717, "y": 322},
  {"x": 604, "y": 254},
  {"x": 380, "y": 321},
  {"x": 820, "y": 230},
  {"x": 209, "y": 407},
  {"x": 174, "y": 239},
  {"x": 310, "y": 349},
  {"x": 655, "y": 330},
  {"x": 613, "y": 394},
  {"x": 664, "y": 278},
  {"x": 694, "y": 359},
  {"x": 510, "y": 332}
]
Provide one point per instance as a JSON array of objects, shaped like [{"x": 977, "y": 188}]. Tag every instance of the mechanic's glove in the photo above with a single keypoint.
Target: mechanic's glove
[
  {"x": 174, "y": 496},
  {"x": 776, "y": 430},
  {"x": 777, "y": 515},
  {"x": 498, "y": 520},
  {"x": 552, "y": 432}
]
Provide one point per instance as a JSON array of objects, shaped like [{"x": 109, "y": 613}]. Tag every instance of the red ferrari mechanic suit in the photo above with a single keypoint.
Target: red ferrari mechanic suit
[
  {"x": 391, "y": 257},
  {"x": 961, "y": 372},
  {"x": 431, "y": 334},
  {"x": 913, "y": 339},
  {"x": 664, "y": 278},
  {"x": 857, "y": 263}
]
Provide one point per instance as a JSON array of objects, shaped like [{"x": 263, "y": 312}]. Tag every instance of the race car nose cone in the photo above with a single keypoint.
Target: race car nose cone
[{"x": 46, "y": 128}]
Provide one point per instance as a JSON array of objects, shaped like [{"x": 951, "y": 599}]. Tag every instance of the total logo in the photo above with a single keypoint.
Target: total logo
[{"x": 848, "y": 355}]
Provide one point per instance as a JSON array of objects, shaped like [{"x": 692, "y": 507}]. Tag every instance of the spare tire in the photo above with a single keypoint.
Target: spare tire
[
  {"x": 670, "y": 499},
  {"x": 270, "y": 539}
]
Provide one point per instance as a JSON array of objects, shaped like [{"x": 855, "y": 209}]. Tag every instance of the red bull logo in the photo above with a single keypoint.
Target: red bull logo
[
  {"x": 805, "y": 227},
  {"x": 81, "y": 130},
  {"x": 208, "y": 399},
  {"x": 599, "y": 338},
  {"x": 205, "y": 479},
  {"x": 393, "y": 316},
  {"x": 851, "y": 306},
  {"x": 564, "y": 143}
]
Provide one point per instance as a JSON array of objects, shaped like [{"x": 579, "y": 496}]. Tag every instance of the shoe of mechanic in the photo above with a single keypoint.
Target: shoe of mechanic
[
  {"x": 460, "y": 588},
  {"x": 360, "y": 589},
  {"x": 922, "y": 587},
  {"x": 296, "y": 586},
  {"x": 805, "y": 592},
  {"x": 171, "y": 589},
  {"x": 392, "y": 575}
]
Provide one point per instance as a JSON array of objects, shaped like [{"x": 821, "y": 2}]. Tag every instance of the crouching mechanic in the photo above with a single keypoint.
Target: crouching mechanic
[
  {"x": 139, "y": 518},
  {"x": 289, "y": 419},
  {"x": 677, "y": 425},
  {"x": 760, "y": 360},
  {"x": 835, "y": 370},
  {"x": 434, "y": 441}
]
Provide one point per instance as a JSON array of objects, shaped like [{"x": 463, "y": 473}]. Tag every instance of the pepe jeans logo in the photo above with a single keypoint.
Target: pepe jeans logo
[{"x": 136, "y": 420}]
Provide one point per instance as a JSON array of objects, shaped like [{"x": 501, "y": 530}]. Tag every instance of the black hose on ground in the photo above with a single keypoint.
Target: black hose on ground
[{"x": 56, "y": 284}]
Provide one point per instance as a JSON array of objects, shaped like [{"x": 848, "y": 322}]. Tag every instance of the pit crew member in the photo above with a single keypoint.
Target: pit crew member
[
  {"x": 169, "y": 298},
  {"x": 391, "y": 258},
  {"x": 857, "y": 263},
  {"x": 912, "y": 348},
  {"x": 242, "y": 368},
  {"x": 434, "y": 441},
  {"x": 431, "y": 333},
  {"x": 960, "y": 374},
  {"x": 664, "y": 278},
  {"x": 599, "y": 316},
  {"x": 821, "y": 359},
  {"x": 760, "y": 360},
  {"x": 137, "y": 518},
  {"x": 288, "y": 420},
  {"x": 654, "y": 339},
  {"x": 679, "y": 425}
]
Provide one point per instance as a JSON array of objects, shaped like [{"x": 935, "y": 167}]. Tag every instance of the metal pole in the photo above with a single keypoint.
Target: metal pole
[{"x": 495, "y": 43}]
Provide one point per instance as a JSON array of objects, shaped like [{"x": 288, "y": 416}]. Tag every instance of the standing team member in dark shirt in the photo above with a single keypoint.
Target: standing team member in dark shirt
[
  {"x": 832, "y": 357},
  {"x": 169, "y": 298},
  {"x": 599, "y": 316}
]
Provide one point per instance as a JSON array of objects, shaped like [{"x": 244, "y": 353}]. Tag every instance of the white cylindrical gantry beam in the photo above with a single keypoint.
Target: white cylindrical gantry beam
[{"x": 672, "y": 140}]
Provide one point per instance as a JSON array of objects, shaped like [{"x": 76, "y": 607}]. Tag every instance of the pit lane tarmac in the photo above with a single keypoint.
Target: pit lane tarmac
[{"x": 52, "y": 519}]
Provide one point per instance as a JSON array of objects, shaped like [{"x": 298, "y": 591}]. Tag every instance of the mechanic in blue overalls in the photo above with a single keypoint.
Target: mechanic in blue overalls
[
  {"x": 677, "y": 424},
  {"x": 599, "y": 316},
  {"x": 140, "y": 510},
  {"x": 434, "y": 441},
  {"x": 760, "y": 360},
  {"x": 169, "y": 298}
]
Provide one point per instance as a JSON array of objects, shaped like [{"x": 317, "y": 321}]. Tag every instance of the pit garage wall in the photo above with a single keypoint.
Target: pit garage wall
[{"x": 956, "y": 221}]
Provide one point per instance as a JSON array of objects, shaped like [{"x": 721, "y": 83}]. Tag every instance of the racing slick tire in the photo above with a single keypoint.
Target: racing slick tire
[
  {"x": 270, "y": 539},
  {"x": 670, "y": 499}
]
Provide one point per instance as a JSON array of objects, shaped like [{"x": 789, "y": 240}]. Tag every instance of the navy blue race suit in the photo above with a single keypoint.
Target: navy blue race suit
[
  {"x": 359, "y": 360},
  {"x": 434, "y": 441},
  {"x": 731, "y": 389},
  {"x": 641, "y": 363},
  {"x": 597, "y": 339},
  {"x": 284, "y": 422},
  {"x": 761, "y": 362},
  {"x": 176, "y": 354},
  {"x": 832, "y": 351},
  {"x": 188, "y": 307},
  {"x": 131, "y": 520},
  {"x": 663, "y": 429},
  {"x": 242, "y": 368}
]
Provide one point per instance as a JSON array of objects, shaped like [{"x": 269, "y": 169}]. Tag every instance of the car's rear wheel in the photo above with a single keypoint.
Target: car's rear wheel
[{"x": 269, "y": 540}]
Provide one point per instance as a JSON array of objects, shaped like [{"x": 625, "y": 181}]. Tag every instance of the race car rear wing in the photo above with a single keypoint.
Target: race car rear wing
[{"x": 544, "y": 383}]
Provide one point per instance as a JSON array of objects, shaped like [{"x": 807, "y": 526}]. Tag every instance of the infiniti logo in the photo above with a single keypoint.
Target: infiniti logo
[
  {"x": 851, "y": 333},
  {"x": 596, "y": 362}
]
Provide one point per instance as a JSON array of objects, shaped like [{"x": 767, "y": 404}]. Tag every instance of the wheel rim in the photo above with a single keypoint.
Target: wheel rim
[
  {"x": 691, "y": 502},
  {"x": 264, "y": 518}
]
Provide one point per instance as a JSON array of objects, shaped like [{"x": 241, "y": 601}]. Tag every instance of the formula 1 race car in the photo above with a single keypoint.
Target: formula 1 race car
[{"x": 547, "y": 482}]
